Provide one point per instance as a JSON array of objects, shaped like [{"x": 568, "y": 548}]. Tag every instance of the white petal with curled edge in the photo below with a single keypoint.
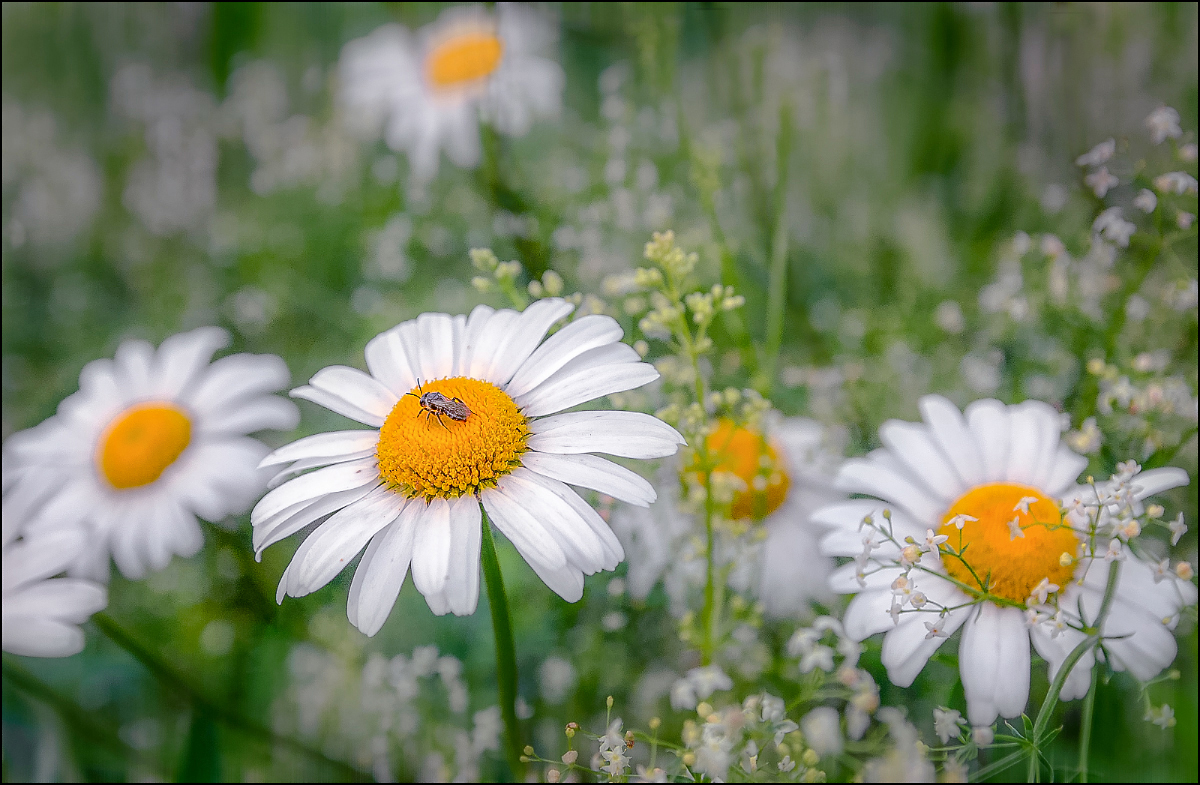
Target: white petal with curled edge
[
  {"x": 380, "y": 574},
  {"x": 528, "y": 332},
  {"x": 335, "y": 403},
  {"x": 341, "y": 477},
  {"x": 581, "y": 335},
  {"x": 388, "y": 362},
  {"x": 436, "y": 333},
  {"x": 557, "y": 393},
  {"x": 431, "y": 548},
  {"x": 592, "y": 471},
  {"x": 356, "y": 388},
  {"x": 332, "y": 445},
  {"x": 626, "y": 434},
  {"x": 994, "y": 662}
]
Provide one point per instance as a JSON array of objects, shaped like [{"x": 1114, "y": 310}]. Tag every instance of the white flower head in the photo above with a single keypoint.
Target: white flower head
[
  {"x": 1163, "y": 123},
  {"x": 461, "y": 416},
  {"x": 42, "y": 614},
  {"x": 947, "y": 724},
  {"x": 1099, "y": 154},
  {"x": 1008, "y": 469},
  {"x": 1101, "y": 182},
  {"x": 1175, "y": 183},
  {"x": 153, "y": 439},
  {"x": 430, "y": 93},
  {"x": 1145, "y": 201}
]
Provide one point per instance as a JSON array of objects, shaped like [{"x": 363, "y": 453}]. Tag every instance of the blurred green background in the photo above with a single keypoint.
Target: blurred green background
[{"x": 167, "y": 166}]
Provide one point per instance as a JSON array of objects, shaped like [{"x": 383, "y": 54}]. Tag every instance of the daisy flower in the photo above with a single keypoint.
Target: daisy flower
[
  {"x": 428, "y": 94},
  {"x": 152, "y": 439},
  {"x": 1000, "y": 486},
  {"x": 778, "y": 481},
  {"x": 41, "y": 614},
  {"x": 463, "y": 411}
]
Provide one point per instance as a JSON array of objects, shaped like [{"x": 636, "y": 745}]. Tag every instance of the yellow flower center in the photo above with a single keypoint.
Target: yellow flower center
[
  {"x": 752, "y": 459},
  {"x": 463, "y": 59},
  {"x": 139, "y": 444},
  {"x": 423, "y": 454},
  {"x": 997, "y": 559}
]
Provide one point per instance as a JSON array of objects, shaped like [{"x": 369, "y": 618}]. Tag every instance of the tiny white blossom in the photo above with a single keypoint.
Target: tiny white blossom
[
  {"x": 1058, "y": 625},
  {"x": 1163, "y": 123},
  {"x": 1163, "y": 717},
  {"x": 1111, "y": 225},
  {"x": 1023, "y": 504},
  {"x": 1184, "y": 220},
  {"x": 1178, "y": 529},
  {"x": 947, "y": 724},
  {"x": 1187, "y": 152},
  {"x": 1175, "y": 183},
  {"x": 932, "y": 541},
  {"x": 936, "y": 629},
  {"x": 1114, "y": 550},
  {"x": 1101, "y": 182},
  {"x": 918, "y": 600},
  {"x": 960, "y": 519},
  {"x": 894, "y": 611},
  {"x": 786, "y": 763},
  {"x": 1014, "y": 528},
  {"x": 1127, "y": 470},
  {"x": 910, "y": 555},
  {"x": 820, "y": 657},
  {"x": 983, "y": 735},
  {"x": 1042, "y": 590},
  {"x": 1099, "y": 154},
  {"x": 1033, "y": 616},
  {"x": 1145, "y": 201},
  {"x": 1162, "y": 570}
]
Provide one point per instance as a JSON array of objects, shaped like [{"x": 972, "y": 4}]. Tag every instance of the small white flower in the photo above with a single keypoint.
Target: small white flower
[
  {"x": 982, "y": 735},
  {"x": 1145, "y": 201},
  {"x": 894, "y": 611},
  {"x": 1178, "y": 529},
  {"x": 910, "y": 555},
  {"x": 1014, "y": 528},
  {"x": 1163, "y": 717},
  {"x": 786, "y": 764},
  {"x": 960, "y": 519},
  {"x": 1023, "y": 504},
  {"x": 936, "y": 629},
  {"x": 1058, "y": 625},
  {"x": 1184, "y": 219},
  {"x": 1162, "y": 570},
  {"x": 1099, "y": 154},
  {"x": 1163, "y": 123},
  {"x": 947, "y": 724},
  {"x": 1127, "y": 470},
  {"x": 820, "y": 657},
  {"x": 1042, "y": 590},
  {"x": 932, "y": 541},
  {"x": 1101, "y": 182},
  {"x": 918, "y": 600},
  {"x": 1114, "y": 550},
  {"x": 1112, "y": 226},
  {"x": 1175, "y": 183},
  {"x": 1187, "y": 152}
]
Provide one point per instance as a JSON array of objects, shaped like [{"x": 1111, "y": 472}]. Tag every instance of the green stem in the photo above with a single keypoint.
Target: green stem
[
  {"x": 506, "y": 655},
  {"x": 1093, "y": 639},
  {"x": 777, "y": 292},
  {"x": 1085, "y": 734},
  {"x": 174, "y": 680}
]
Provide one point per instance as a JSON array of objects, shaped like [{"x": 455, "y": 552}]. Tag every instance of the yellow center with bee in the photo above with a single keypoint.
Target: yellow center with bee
[
  {"x": 425, "y": 451},
  {"x": 996, "y": 559},
  {"x": 747, "y": 455}
]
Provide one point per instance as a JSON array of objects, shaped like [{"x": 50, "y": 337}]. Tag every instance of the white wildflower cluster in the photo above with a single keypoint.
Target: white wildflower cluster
[
  {"x": 698, "y": 685},
  {"x": 905, "y": 760},
  {"x": 56, "y": 189},
  {"x": 389, "y": 712},
  {"x": 754, "y": 737},
  {"x": 825, "y": 650},
  {"x": 1142, "y": 405}
]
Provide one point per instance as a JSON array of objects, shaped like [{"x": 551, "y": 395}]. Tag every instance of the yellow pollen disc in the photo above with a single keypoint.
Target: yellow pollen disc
[
  {"x": 424, "y": 457},
  {"x": 138, "y": 446},
  {"x": 463, "y": 59},
  {"x": 749, "y": 456},
  {"x": 993, "y": 559}
]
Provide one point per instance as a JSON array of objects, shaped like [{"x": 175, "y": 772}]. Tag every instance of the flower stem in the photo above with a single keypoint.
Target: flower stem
[
  {"x": 1096, "y": 630},
  {"x": 174, "y": 680},
  {"x": 777, "y": 291},
  {"x": 506, "y": 656},
  {"x": 1085, "y": 733}
]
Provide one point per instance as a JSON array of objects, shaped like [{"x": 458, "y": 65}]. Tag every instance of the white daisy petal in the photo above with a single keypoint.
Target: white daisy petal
[
  {"x": 466, "y": 537},
  {"x": 472, "y": 337},
  {"x": 337, "y": 541},
  {"x": 581, "y": 335},
  {"x": 182, "y": 356},
  {"x": 560, "y": 393},
  {"x": 336, "y": 403},
  {"x": 260, "y": 414},
  {"x": 332, "y": 479},
  {"x": 1054, "y": 650},
  {"x": 333, "y": 446},
  {"x": 431, "y": 549},
  {"x": 915, "y": 447},
  {"x": 236, "y": 377},
  {"x": 1154, "y": 481},
  {"x": 356, "y": 388},
  {"x": 35, "y": 559},
  {"x": 437, "y": 345},
  {"x": 388, "y": 362},
  {"x": 489, "y": 343},
  {"x": 580, "y": 544},
  {"x": 1025, "y": 447},
  {"x": 134, "y": 360},
  {"x": 1064, "y": 471},
  {"x": 41, "y": 637},
  {"x": 870, "y": 477},
  {"x": 867, "y": 614},
  {"x": 526, "y": 533},
  {"x": 908, "y": 646},
  {"x": 528, "y": 332},
  {"x": 953, "y": 437},
  {"x": 381, "y": 572},
  {"x": 296, "y": 517},
  {"x": 592, "y": 471},
  {"x": 989, "y": 423},
  {"x": 994, "y": 663},
  {"x": 626, "y": 434}
]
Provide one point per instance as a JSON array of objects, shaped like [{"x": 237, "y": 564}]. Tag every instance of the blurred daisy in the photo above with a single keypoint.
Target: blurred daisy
[
  {"x": 151, "y": 440},
  {"x": 430, "y": 93},
  {"x": 991, "y": 483},
  {"x": 461, "y": 405},
  {"x": 777, "y": 481},
  {"x": 41, "y": 613}
]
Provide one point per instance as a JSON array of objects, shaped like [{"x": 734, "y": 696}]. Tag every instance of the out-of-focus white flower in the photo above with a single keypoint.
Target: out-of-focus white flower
[
  {"x": 949, "y": 316},
  {"x": 1145, "y": 201},
  {"x": 1187, "y": 152},
  {"x": 1184, "y": 220},
  {"x": 1112, "y": 225},
  {"x": 947, "y": 724},
  {"x": 429, "y": 94},
  {"x": 984, "y": 464},
  {"x": 1163, "y": 716},
  {"x": 1175, "y": 183},
  {"x": 41, "y": 613},
  {"x": 1101, "y": 182},
  {"x": 1163, "y": 123},
  {"x": 152, "y": 439},
  {"x": 1099, "y": 154},
  {"x": 822, "y": 728}
]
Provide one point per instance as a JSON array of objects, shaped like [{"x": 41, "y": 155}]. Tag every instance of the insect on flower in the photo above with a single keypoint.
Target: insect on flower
[{"x": 435, "y": 404}]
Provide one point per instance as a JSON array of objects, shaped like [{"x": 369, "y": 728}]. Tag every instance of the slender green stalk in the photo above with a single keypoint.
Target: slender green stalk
[
  {"x": 176, "y": 681},
  {"x": 777, "y": 291},
  {"x": 1095, "y": 635},
  {"x": 1085, "y": 733},
  {"x": 506, "y": 655}
]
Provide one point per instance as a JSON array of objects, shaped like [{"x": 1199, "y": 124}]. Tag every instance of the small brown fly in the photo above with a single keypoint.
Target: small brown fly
[{"x": 434, "y": 404}]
